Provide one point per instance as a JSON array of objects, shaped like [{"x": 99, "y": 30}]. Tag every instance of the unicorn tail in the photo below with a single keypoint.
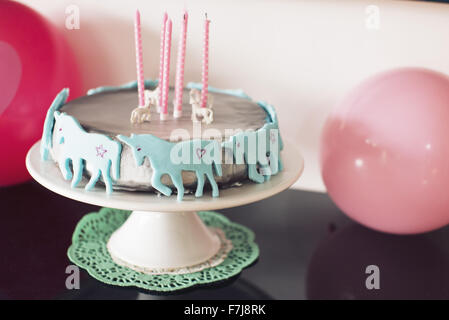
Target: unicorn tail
[
  {"x": 57, "y": 103},
  {"x": 218, "y": 170}
]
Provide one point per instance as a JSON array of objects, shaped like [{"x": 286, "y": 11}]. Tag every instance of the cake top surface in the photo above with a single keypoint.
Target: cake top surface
[{"x": 109, "y": 112}]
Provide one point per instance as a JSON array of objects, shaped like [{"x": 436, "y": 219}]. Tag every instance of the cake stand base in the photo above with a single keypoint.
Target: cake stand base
[
  {"x": 93, "y": 232},
  {"x": 167, "y": 242}
]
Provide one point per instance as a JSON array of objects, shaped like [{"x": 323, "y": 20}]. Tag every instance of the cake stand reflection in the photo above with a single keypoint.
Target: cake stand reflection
[{"x": 162, "y": 233}]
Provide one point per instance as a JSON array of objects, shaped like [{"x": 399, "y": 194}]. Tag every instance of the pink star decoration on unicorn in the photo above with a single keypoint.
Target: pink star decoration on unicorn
[{"x": 100, "y": 151}]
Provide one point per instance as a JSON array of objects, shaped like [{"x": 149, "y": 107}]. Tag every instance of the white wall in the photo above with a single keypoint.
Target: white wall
[{"x": 301, "y": 56}]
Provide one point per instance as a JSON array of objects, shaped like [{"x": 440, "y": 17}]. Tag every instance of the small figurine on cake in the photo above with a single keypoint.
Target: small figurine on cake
[
  {"x": 198, "y": 112},
  {"x": 142, "y": 112}
]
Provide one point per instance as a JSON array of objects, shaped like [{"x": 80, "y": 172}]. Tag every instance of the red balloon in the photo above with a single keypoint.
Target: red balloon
[{"x": 35, "y": 64}]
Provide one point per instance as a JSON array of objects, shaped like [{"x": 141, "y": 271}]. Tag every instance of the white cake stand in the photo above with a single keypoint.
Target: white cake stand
[{"x": 162, "y": 233}]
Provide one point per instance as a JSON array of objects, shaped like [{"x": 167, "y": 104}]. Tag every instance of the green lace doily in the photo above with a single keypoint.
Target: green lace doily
[{"x": 88, "y": 251}]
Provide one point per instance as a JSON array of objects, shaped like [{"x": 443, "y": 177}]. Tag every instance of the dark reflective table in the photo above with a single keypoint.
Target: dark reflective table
[{"x": 308, "y": 249}]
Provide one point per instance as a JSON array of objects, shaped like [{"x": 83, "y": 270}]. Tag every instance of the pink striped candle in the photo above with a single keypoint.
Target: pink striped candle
[
  {"x": 139, "y": 62},
  {"x": 179, "y": 86},
  {"x": 205, "y": 71},
  {"x": 166, "y": 74},
  {"x": 161, "y": 56}
]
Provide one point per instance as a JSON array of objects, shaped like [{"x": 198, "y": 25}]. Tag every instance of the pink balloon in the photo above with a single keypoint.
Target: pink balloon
[
  {"x": 385, "y": 152},
  {"x": 35, "y": 64}
]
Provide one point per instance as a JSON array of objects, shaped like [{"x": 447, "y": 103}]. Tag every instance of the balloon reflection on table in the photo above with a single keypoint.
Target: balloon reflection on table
[{"x": 410, "y": 267}]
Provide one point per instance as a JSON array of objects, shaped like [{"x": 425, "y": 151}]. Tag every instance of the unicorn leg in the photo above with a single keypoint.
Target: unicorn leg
[
  {"x": 107, "y": 181},
  {"x": 158, "y": 185},
  {"x": 93, "y": 180},
  {"x": 210, "y": 177},
  {"x": 254, "y": 175},
  {"x": 200, "y": 184},
  {"x": 133, "y": 116},
  {"x": 210, "y": 117},
  {"x": 65, "y": 169},
  {"x": 274, "y": 165},
  {"x": 177, "y": 181},
  {"x": 106, "y": 174},
  {"x": 77, "y": 165},
  {"x": 268, "y": 173}
]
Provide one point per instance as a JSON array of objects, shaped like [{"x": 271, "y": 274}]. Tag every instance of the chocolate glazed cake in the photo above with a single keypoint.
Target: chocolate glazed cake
[{"x": 107, "y": 112}]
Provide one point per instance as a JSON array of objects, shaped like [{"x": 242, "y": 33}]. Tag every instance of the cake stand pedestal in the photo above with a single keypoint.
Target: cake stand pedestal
[{"x": 162, "y": 234}]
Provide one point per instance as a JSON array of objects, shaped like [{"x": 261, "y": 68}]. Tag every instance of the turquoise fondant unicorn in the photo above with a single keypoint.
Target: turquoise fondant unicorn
[
  {"x": 259, "y": 150},
  {"x": 173, "y": 158},
  {"x": 99, "y": 151},
  {"x": 244, "y": 148},
  {"x": 273, "y": 138}
]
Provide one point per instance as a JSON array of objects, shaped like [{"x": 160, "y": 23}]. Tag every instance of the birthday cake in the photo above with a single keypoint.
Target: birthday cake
[
  {"x": 91, "y": 137},
  {"x": 104, "y": 138}
]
